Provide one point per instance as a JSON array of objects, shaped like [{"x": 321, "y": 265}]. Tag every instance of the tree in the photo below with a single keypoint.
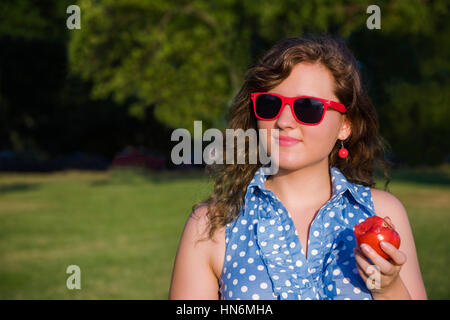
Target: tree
[
  {"x": 186, "y": 61},
  {"x": 189, "y": 57}
]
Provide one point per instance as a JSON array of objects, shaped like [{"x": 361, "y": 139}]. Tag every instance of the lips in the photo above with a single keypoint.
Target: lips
[{"x": 286, "y": 140}]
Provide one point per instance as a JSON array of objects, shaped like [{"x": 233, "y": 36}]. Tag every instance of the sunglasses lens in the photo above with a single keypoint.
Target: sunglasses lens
[
  {"x": 267, "y": 106},
  {"x": 308, "y": 110}
]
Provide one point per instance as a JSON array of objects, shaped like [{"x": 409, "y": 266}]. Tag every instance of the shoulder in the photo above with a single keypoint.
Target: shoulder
[
  {"x": 196, "y": 255},
  {"x": 386, "y": 204},
  {"x": 196, "y": 234},
  {"x": 198, "y": 224}
]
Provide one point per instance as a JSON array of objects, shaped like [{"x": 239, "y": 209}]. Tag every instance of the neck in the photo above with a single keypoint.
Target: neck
[{"x": 305, "y": 187}]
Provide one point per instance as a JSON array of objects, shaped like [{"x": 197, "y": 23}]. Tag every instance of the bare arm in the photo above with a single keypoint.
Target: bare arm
[
  {"x": 411, "y": 278},
  {"x": 193, "y": 273}
]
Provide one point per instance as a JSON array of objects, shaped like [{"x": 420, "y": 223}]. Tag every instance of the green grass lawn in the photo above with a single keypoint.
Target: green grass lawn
[{"x": 122, "y": 229}]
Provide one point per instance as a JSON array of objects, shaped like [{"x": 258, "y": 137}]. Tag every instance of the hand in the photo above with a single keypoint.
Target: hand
[{"x": 381, "y": 277}]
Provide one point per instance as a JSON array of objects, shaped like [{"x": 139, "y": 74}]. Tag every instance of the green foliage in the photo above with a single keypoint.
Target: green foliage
[
  {"x": 30, "y": 20},
  {"x": 189, "y": 58},
  {"x": 182, "y": 61},
  {"x": 155, "y": 53},
  {"x": 420, "y": 115}
]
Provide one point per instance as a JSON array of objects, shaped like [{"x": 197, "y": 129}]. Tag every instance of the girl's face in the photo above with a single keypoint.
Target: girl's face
[{"x": 316, "y": 142}]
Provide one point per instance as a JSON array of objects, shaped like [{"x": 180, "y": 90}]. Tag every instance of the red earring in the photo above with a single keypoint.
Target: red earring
[{"x": 343, "y": 153}]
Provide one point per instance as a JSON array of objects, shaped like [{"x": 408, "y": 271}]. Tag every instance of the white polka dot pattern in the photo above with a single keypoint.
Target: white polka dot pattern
[{"x": 265, "y": 260}]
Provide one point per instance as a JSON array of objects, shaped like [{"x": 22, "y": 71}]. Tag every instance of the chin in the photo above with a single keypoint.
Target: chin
[
  {"x": 291, "y": 161},
  {"x": 294, "y": 161}
]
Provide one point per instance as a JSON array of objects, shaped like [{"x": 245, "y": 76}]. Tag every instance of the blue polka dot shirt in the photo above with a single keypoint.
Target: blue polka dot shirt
[{"x": 265, "y": 260}]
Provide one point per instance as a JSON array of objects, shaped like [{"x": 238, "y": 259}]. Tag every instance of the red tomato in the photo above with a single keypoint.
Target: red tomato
[{"x": 373, "y": 230}]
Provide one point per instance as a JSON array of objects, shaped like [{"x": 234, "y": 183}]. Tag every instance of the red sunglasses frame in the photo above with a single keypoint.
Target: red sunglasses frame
[{"x": 290, "y": 100}]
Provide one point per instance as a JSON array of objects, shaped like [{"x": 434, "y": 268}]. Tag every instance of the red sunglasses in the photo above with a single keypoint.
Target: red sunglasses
[{"x": 305, "y": 109}]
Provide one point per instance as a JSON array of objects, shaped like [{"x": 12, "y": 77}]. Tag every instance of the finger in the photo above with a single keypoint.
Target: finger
[
  {"x": 367, "y": 271},
  {"x": 385, "y": 266},
  {"x": 371, "y": 276},
  {"x": 362, "y": 264},
  {"x": 362, "y": 273},
  {"x": 397, "y": 256},
  {"x": 389, "y": 221}
]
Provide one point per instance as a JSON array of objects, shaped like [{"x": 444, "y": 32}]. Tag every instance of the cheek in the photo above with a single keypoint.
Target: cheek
[
  {"x": 322, "y": 137},
  {"x": 318, "y": 141},
  {"x": 317, "y": 136}
]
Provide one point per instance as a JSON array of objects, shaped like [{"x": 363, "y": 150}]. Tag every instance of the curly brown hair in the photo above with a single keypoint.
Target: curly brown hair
[{"x": 366, "y": 147}]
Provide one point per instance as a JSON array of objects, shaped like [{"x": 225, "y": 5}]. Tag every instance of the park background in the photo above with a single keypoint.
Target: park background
[{"x": 79, "y": 109}]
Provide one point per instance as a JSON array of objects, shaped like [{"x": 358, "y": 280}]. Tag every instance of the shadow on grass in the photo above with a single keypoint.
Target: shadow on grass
[
  {"x": 18, "y": 187},
  {"x": 140, "y": 175},
  {"x": 434, "y": 176}
]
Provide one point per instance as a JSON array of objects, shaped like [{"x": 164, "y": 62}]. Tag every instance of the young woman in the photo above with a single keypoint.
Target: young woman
[{"x": 290, "y": 235}]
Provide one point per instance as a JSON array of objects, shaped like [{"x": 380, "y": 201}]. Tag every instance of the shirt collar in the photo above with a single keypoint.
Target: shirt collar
[{"x": 339, "y": 182}]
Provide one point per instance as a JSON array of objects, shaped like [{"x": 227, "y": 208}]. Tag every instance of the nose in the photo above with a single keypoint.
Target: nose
[{"x": 286, "y": 118}]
